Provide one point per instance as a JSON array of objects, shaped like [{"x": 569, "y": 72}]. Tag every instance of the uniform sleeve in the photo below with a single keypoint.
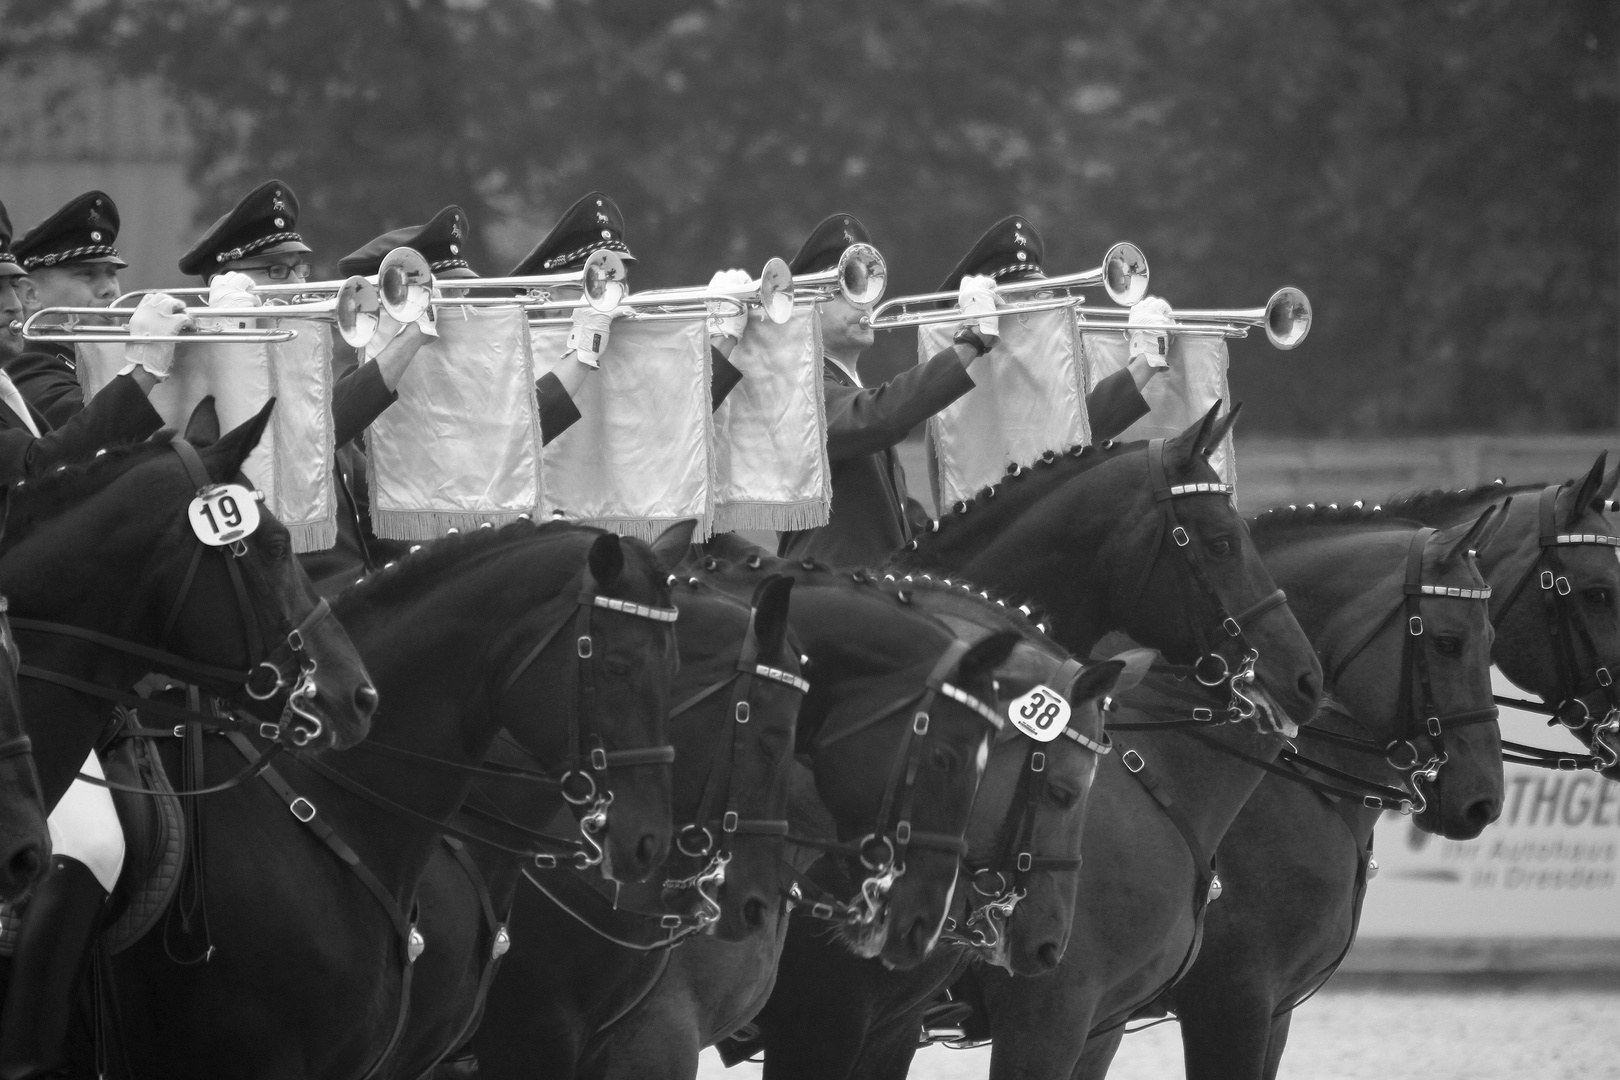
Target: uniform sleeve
[
  {"x": 723, "y": 378},
  {"x": 557, "y": 410},
  {"x": 119, "y": 414},
  {"x": 861, "y": 422},
  {"x": 1114, "y": 405},
  {"x": 49, "y": 385},
  {"x": 359, "y": 398}
]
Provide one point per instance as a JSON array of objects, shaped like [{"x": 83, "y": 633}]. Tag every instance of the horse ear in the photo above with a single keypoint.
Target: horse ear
[
  {"x": 203, "y": 427},
  {"x": 5, "y": 509},
  {"x": 1222, "y": 428},
  {"x": 770, "y": 604},
  {"x": 1477, "y": 535},
  {"x": 986, "y": 655},
  {"x": 224, "y": 458},
  {"x": 606, "y": 560},
  {"x": 674, "y": 542},
  {"x": 1181, "y": 450},
  {"x": 1586, "y": 494},
  {"x": 1095, "y": 681}
]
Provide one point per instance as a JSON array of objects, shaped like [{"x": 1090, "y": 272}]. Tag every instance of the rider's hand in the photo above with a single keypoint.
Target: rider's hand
[
  {"x": 588, "y": 339},
  {"x": 1152, "y": 346},
  {"x": 157, "y": 315},
  {"x": 232, "y": 289},
  {"x": 728, "y": 319},
  {"x": 976, "y": 297}
]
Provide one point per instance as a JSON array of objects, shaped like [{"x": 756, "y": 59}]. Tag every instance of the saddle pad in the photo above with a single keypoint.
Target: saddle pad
[{"x": 154, "y": 849}]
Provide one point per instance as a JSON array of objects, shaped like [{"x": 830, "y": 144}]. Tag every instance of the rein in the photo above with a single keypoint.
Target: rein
[
  {"x": 882, "y": 852},
  {"x": 1583, "y": 698}
]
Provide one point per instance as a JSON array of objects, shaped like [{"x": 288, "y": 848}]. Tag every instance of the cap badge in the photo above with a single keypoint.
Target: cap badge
[
  {"x": 454, "y": 249},
  {"x": 280, "y": 224},
  {"x": 96, "y": 237},
  {"x": 1022, "y": 256},
  {"x": 607, "y": 234}
]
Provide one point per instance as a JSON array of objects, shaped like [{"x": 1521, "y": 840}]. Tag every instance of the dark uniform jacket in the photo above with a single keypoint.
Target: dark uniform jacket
[
  {"x": 49, "y": 381},
  {"x": 871, "y": 513},
  {"x": 119, "y": 414}
]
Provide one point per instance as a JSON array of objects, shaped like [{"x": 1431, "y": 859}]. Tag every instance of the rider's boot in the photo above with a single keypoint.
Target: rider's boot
[{"x": 58, "y": 928}]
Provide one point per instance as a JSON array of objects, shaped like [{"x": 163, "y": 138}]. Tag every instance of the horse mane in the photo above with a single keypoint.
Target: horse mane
[
  {"x": 430, "y": 561},
  {"x": 1438, "y": 502},
  {"x": 65, "y": 486},
  {"x": 1022, "y": 486},
  {"x": 1403, "y": 509},
  {"x": 1020, "y": 615}
]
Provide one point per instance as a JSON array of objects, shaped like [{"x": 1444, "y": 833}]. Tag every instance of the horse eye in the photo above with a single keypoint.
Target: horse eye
[
  {"x": 1061, "y": 796},
  {"x": 1448, "y": 646},
  {"x": 1598, "y": 597},
  {"x": 944, "y": 760},
  {"x": 1220, "y": 546}
]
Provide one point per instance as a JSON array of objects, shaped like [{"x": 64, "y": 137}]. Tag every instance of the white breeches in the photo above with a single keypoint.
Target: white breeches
[{"x": 85, "y": 826}]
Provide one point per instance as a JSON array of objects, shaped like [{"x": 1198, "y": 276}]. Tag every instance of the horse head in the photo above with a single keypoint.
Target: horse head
[{"x": 25, "y": 840}]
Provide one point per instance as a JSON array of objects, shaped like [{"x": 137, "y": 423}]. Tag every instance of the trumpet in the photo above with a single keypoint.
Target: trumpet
[
  {"x": 603, "y": 282},
  {"x": 1124, "y": 273},
  {"x": 772, "y": 292},
  {"x": 354, "y": 309},
  {"x": 860, "y": 277},
  {"x": 1286, "y": 319}
]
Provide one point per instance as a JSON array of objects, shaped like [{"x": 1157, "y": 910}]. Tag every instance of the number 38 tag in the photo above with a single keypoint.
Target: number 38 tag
[
  {"x": 224, "y": 514},
  {"x": 1042, "y": 714}
]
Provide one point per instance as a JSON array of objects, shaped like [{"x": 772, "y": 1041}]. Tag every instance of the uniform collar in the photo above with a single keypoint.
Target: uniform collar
[{"x": 848, "y": 374}]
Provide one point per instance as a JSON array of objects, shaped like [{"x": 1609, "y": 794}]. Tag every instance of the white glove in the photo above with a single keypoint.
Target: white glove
[
  {"x": 158, "y": 314},
  {"x": 232, "y": 289},
  {"x": 588, "y": 339},
  {"x": 724, "y": 318},
  {"x": 1152, "y": 345},
  {"x": 976, "y": 297}
]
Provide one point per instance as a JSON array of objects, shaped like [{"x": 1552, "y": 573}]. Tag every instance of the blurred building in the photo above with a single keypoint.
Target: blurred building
[{"x": 69, "y": 126}]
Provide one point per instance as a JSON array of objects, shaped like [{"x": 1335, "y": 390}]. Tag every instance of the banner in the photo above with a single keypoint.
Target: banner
[
  {"x": 1029, "y": 396},
  {"x": 461, "y": 446},
  {"x": 639, "y": 459},
  {"x": 770, "y": 448},
  {"x": 1177, "y": 397},
  {"x": 1549, "y": 867},
  {"x": 292, "y": 464}
]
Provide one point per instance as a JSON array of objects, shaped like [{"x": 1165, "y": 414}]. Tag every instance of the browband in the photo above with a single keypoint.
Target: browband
[
  {"x": 1450, "y": 590},
  {"x": 956, "y": 694},
  {"x": 786, "y": 678},
  {"x": 656, "y": 614}
]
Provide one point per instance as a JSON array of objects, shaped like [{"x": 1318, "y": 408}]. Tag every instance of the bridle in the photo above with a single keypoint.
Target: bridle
[
  {"x": 17, "y": 745},
  {"x": 287, "y": 667},
  {"x": 713, "y": 830},
  {"x": 882, "y": 852},
  {"x": 1002, "y": 880},
  {"x": 1584, "y": 696},
  {"x": 1235, "y": 667},
  {"x": 1418, "y": 719}
]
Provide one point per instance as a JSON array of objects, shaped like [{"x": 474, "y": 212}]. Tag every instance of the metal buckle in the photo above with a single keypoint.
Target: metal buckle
[
  {"x": 583, "y": 647},
  {"x": 742, "y": 712},
  {"x": 1203, "y": 715},
  {"x": 1132, "y": 761},
  {"x": 1037, "y": 762},
  {"x": 729, "y": 821},
  {"x": 302, "y": 809},
  {"x": 503, "y": 942},
  {"x": 543, "y": 861},
  {"x": 1179, "y": 535},
  {"x": 1414, "y": 626},
  {"x": 919, "y": 724},
  {"x": 295, "y": 640},
  {"x": 1434, "y": 726},
  {"x": 599, "y": 759},
  {"x": 1546, "y": 579},
  {"x": 268, "y": 731},
  {"x": 1025, "y": 862},
  {"x": 1563, "y": 586},
  {"x": 1230, "y": 625},
  {"x": 1603, "y": 677},
  {"x": 902, "y": 832}
]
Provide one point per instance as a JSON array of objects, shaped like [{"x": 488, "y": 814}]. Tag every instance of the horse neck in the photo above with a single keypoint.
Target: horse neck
[
  {"x": 1061, "y": 553},
  {"x": 709, "y": 633},
  {"x": 430, "y": 656}
]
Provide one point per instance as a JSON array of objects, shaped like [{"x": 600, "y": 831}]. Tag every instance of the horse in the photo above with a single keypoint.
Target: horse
[
  {"x": 1265, "y": 957},
  {"x": 892, "y": 692},
  {"x": 560, "y": 635},
  {"x": 1024, "y": 851},
  {"x": 1392, "y": 605},
  {"x": 578, "y": 954},
  {"x": 25, "y": 839}
]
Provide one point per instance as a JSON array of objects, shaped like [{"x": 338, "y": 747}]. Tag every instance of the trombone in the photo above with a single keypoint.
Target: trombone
[
  {"x": 354, "y": 309},
  {"x": 860, "y": 278},
  {"x": 773, "y": 292},
  {"x": 1124, "y": 273},
  {"x": 1286, "y": 319}
]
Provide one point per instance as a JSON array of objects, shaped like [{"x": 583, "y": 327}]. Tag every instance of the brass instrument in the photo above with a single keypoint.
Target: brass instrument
[
  {"x": 860, "y": 278},
  {"x": 1286, "y": 319},
  {"x": 772, "y": 292}
]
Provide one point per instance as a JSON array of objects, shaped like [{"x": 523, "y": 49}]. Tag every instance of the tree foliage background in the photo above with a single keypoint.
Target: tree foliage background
[{"x": 1440, "y": 176}]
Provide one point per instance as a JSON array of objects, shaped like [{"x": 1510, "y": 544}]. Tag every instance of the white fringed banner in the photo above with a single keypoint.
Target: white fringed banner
[
  {"x": 639, "y": 459},
  {"x": 770, "y": 445},
  {"x": 461, "y": 446},
  {"x": 292, "y": 464},
  {"x": 1029, "y": 396},
  {"x": 1178, "y": 397}
]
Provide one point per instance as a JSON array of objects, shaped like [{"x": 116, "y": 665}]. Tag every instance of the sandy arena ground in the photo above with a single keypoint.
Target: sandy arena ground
[{"x": 1376, "y": 1035}]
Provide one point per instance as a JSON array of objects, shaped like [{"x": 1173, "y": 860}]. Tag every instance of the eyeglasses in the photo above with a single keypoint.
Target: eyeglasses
[{"x": 283, "y": 271}]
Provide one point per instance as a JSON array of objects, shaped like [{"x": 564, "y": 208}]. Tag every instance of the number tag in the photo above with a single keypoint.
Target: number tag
[
  {"x": 224, "y": 514},
  {"x": 1042, "y": 714}
]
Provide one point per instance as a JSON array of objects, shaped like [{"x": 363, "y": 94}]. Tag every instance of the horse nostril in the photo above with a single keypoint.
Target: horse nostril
[
  {"x": 1048, "y": 955},
  {"x": 365, "y": 699},
  {"x": 1308, "y": 686},
  {"x": 1482, "y": 812},
  {"x": 26, "y": 863},
  {"x": 648, "y": 851},
  {"x": 754, "y": 911}
]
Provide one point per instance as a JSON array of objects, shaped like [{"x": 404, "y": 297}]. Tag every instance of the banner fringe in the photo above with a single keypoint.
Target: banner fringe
[
  {"x": 313, "y": 535},
  {"x": 779, "y": 517}
]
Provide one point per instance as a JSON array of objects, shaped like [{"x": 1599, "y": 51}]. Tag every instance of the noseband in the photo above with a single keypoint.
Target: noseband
[
  {"x": 1233, "y": 668},
  {"x": 1584, "y": 697}
]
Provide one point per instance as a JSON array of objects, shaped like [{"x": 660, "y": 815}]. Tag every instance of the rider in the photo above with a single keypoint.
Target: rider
[
  {"x": 593, "y": 224},
  {"x": 87, "y": 841}
]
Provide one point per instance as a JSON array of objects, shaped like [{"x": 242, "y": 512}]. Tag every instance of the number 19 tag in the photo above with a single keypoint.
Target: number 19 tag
[
  {"x": 224, "y": 514},
  {"x": 1042, "y": 714}
]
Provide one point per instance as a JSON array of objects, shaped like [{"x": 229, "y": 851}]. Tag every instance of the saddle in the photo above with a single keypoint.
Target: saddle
[{"x": 154, "y": 845}]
